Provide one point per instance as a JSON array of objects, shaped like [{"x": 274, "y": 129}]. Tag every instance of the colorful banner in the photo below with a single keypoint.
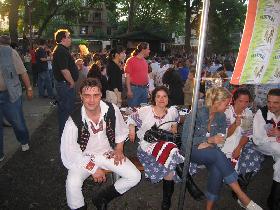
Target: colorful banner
[{"x": 258, "y": 60}]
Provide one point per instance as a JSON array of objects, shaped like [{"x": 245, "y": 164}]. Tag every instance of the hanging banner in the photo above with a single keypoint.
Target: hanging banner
[{"x": 258, "y": 60}]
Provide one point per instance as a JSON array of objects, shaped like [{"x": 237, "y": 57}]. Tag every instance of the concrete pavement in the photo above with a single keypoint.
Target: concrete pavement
[{"x": 35, "y": 111}]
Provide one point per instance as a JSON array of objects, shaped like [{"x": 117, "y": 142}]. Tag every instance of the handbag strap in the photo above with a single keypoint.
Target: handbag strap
[{"x": 166, "y": 123}]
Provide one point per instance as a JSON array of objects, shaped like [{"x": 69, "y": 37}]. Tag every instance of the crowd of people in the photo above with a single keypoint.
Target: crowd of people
[{"x": 231, "y": 134}]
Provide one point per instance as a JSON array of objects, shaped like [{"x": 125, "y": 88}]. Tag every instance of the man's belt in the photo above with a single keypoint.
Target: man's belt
[{"x": 141, "y": 86}]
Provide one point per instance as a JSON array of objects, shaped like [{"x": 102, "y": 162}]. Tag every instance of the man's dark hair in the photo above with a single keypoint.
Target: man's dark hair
[
  {"x": 274, "y": 92},
  {"x": 242, "y": 91},
  {"x": 90, "y": 82},
  {"x": 154, "y": 93},
  {"x": 60, "y": 34},
  {"x": 115, "y": 51}
]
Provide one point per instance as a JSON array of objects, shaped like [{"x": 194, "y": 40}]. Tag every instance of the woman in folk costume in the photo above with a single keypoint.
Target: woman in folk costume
[
  {"x": 160, "y": 158},
  {"x": 209, "y": 132}
]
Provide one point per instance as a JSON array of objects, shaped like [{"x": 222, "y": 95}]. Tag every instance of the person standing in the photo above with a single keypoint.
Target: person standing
[
  {"x": 266, "y": 135},
  {"x": 114, "y": 72},
  {"x": 44, "y": 80},
  {"x": 11, "y": 66},
  {"x": 136, "y": 69},
  {"x": 65, "y": 73},
  {"x": 92, "y": 141}
]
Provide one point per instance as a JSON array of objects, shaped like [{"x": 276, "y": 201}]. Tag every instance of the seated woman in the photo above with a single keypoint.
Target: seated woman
[
  {"x": 161, "y": 158},
  {"x": 210, "y": 124},
  {"x": 239, "y": 146}
]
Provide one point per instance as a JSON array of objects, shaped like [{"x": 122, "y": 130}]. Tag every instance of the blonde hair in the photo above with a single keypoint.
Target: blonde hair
[{"x": 216, "y": 94}]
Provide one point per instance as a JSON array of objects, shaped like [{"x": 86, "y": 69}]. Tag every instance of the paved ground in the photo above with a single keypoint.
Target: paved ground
[{"x": 36, "y": 179}]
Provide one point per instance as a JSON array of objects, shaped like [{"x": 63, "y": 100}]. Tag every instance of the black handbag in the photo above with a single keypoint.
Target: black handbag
[{"x": 155, "y": 134}]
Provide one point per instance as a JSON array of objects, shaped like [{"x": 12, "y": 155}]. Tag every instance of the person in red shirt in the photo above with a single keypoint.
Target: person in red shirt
[{"x": 136, "y": 69}]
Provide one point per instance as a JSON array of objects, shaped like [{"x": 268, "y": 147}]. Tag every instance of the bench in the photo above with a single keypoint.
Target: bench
[{"x": 134, "y": 160}]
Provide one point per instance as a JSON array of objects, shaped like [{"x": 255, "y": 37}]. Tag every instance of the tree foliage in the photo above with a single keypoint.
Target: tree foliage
[{"x": 162, "y": 17}]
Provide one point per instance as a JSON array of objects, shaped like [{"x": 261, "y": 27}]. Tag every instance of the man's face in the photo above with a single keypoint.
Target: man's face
[
  {"x": 273, "y": 104},
  {"x": 67, "y": 40},
  {"x": 91, "y": 97}
]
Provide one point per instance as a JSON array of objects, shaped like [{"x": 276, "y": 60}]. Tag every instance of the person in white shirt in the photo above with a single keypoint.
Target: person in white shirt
[
  {"x": 94, "y": 146},
  {"x": 238, "y": 145},
  {"x": 266, "y": 135}
]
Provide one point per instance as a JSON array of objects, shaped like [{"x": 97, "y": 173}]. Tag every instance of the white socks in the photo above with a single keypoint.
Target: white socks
[{"x": 253, "y": 206}]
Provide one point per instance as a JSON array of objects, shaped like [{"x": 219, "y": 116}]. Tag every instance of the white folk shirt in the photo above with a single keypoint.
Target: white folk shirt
[
  {"x": 259, "y": 128},
  {"x": 243, "y": 130},
  {"x": 71, "y": 154},
  {"x": 145, "y": 118}
]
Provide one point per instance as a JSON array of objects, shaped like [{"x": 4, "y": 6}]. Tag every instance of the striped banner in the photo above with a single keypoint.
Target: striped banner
[{"x": 258, "y": 60}]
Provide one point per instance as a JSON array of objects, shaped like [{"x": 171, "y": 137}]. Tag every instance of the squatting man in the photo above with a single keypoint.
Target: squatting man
[{"x": 92, "y": 141}]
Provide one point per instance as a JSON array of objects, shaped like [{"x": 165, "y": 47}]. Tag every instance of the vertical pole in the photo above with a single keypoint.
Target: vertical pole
[{"x": 200, "y": 56}]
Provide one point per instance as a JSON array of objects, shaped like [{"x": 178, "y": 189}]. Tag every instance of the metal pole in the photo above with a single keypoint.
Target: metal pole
[{"x": 200, "y": 56}]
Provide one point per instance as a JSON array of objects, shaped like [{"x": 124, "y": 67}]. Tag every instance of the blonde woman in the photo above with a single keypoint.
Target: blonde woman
[{"x": 210, "y": 131}]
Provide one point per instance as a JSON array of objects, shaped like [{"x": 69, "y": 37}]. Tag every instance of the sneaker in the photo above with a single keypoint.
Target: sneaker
[
  {"x": 24, "y": 147},
  {"x": 2, "y": 158}
]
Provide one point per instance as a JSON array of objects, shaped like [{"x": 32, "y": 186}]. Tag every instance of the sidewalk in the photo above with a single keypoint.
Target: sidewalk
[{"x": 35, "y": 111}]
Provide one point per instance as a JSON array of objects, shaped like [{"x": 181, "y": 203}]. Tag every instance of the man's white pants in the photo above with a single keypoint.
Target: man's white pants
[
  {"x": 272, "y": 149},
  {"x": 130, "y": 176}
]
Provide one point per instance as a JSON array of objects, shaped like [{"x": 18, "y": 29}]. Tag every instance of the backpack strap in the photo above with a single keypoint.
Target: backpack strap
[{"x": 110, "y": 119}]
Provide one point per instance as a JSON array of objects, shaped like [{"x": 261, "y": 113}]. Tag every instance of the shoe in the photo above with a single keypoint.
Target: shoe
[
  {"x": 167, "y": 192},
  {"x": 82, "y": 208},
  {"x": 2, "y": 158},
  {"x": 104, "y": 197},
  {"x": 53, "y": 103},
  {"x": 25, "y": 147},
  {"x": 193, "y": 189},
  {"x": 253, "y": 206},
  {"x": 273, "y": 201}
]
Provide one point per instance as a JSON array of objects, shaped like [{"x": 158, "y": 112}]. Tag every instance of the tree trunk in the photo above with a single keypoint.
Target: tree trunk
[
  {"x": 188, "y": 27},
  {"x": 130, "y": 16},
  {"x": 13, "y": 20}
]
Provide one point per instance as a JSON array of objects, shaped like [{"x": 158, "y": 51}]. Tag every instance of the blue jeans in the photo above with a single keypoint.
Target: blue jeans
[
  {"x": 14, "y": 115},
  {"x": 44, "y": 81},
  {"x": 66, "y": 103},
  {"x": 218, "y": 166},
  {"x": 140, "y": 95}
]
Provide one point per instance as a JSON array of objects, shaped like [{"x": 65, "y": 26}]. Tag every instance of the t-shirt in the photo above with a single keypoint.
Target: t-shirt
[
  {"x": 62, "y": 59},
  {"x": 41, "y": 65},
  {"x": 137, "y": 68}
]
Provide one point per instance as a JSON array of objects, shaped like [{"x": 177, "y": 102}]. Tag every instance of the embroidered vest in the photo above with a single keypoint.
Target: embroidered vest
[{"x": 83, "y": 132}]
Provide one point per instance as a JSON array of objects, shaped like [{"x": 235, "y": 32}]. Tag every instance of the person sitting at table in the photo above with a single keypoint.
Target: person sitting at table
[
  {"x": 210, "y": 124},
  {"x": 161, "y": 158}
]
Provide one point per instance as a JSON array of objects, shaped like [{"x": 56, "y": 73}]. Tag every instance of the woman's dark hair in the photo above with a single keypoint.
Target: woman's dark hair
[
  {"x": 60, "y": 34},
  {"x": 115, "y": 51},
  {"x": 94, "y": 72},
  {"x": 242, "y": 91},
  {"x": 154, "y": 93},
  {"x": 141, "y": 46},
  {"x": 90, "y": 82}
]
